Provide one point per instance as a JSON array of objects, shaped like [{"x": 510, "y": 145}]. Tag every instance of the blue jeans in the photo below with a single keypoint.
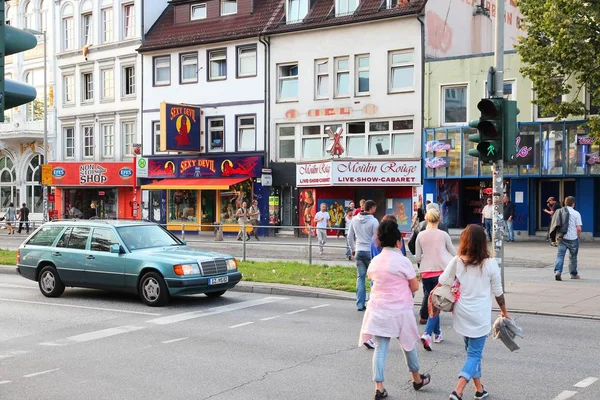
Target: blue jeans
[
  {"x": 563, "y": 246},
  {"x": 510, "y": 230},
  {"x": 382, "y": 344},
  {"x": 363, "y": 259},
  {"x": 488, "y": 227},
  {"x": 433, "y": 324},
  {"x": 348, "y": 251},
  {"x": 472, "y": 367}
]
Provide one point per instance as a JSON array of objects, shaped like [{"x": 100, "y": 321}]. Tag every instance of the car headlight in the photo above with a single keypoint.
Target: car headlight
[
  {"x": 232, "y": 264},
  {"x": 186, "y": 269}
]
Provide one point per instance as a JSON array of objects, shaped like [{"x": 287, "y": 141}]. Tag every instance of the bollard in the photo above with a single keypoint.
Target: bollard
[
  {"x": 218, "y": 231},
  {"x": 309, "y": 247},
  {"x": 183, "y": 232},
  {"x": 243, "y": 241}
]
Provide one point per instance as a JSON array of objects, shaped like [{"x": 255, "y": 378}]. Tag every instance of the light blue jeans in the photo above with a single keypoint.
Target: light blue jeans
[
  {"x": 563, "y": 246},
  {"x": 488, "y": 228},
  {"x": 510, "y": 230},
  {"x": 472, "y": 367},
  {"x": 433, "y": 325},
  {"x": 363, "y": 259},
  {"x": 382, "y": 345}
]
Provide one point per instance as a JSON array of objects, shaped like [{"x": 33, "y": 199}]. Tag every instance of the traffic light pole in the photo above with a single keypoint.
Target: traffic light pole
[
  {"x": 45, "y": 187},
  {"x": 498, "y": 166}
]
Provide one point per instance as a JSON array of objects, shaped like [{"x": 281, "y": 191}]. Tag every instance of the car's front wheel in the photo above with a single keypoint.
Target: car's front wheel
[
  {"x": 216, "y": 294},
  {"x": 153, "y": 290},
  {"x": 50, "y": 283}
]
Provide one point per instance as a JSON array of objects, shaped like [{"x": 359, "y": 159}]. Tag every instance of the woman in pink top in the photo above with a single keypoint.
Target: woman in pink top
[
  {"x": 434, "y": 250},
  {"x": 390, "y": 312}
]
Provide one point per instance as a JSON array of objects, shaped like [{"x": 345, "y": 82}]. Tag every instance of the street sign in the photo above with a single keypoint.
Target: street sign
[
  {"x": 266, "y": 180},
  {"x": 47, "y": 175}
]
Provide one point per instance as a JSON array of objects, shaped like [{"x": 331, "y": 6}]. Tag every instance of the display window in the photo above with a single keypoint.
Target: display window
[
  {"x": 183, "y": 205},
  {"x": 231, "y": 200}
]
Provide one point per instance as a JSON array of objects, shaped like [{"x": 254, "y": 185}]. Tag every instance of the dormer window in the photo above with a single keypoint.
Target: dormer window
[
  {"x": 198, "y": 11},
  {"x": 345, "y": 7},
  {"x": 228, "y": 7},
  {"x": 296, "y": 10}
]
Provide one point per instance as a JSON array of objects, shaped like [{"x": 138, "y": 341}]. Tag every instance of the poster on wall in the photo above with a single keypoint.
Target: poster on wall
[
  {"x": 274, "y": 210},
  {"x": 448, "y": 201},
  {"x": 401, "y": 209},
  {"x": 335, "y": 208},
  {"x": 180, "y": 127},
  {"x": 307, "y": 211}
]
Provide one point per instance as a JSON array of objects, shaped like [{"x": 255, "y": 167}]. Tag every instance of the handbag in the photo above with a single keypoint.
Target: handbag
[{"x": 443, "y": 296}]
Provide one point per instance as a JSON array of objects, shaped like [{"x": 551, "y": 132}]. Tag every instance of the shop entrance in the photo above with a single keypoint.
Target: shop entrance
[
  {"x": 91, "y": 203},
  {"x": 377, "y": 195},
  {"x": 208, "y": 201},
  {"x": 288, "y": 209},
  {"x": 557, "y": 188}
]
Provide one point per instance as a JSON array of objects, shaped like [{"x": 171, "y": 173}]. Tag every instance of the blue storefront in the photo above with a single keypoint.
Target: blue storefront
[{"x": 565, "y": 163}]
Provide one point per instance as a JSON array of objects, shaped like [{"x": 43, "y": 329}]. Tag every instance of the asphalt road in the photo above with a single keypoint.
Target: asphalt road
[{"x": 96, "y": 345}]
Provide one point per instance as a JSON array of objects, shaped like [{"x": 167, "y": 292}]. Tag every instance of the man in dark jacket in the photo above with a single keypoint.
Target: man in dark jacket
[
  {"x": 509, "y": 214},
  {"x": 24, "y": 218}
]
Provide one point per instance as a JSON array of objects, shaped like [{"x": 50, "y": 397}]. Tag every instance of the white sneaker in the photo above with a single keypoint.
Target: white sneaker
[
  {"x": 426, "y": 340},
  {"x": 438, "y": 338},
  {"x": 369, "y": 344}
]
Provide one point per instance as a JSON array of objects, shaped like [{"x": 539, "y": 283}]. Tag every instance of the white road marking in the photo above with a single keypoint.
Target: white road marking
[
  {"x": 40, "y": 373},
  {"x": 175, "y": 340},
  {"x": 13, "y": 353},
  {"x": 567, "y": 394},
  {"x": 297, "y": 311},
  {"x": 4, "y": 382},
  {"x": 104, "y": 333},
  {"x": 586, "y": 382},
  {"x": 321, "y": 306},
  {"x": 82, "y": 307},
  {"x": 11, "y": 286},
  {"x": 171, "y": 319},
  {"x": 270, "y": 318},
  {"x": 240, "y": 325}
]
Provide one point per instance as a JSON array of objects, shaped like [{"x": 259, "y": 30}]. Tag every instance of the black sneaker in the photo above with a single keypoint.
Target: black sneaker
[
  {"x": 557, "y": 277},
  {"x": 481, "y": 395},
  {"x": 381, "y": 395},
  {"x": 454, "y": 396},
  {"x": 425, "y": 379}
]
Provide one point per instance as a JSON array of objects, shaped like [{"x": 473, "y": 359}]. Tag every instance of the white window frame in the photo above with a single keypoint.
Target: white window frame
[
  {"x": 87, "y": 88},
  {"x": 43, "y": 15},
  {"x": 108, "y": 29},
  {"x": 241, "y": 128},
  {"x": 443, "y": 103},
  {"x": 319, "y": 78},
  {"x": 156, "y": 136},
  {"x": 281, "y": 79},
  {"x": 68, "y": 41},
  {"x": 338, "y": 74},
  {"x": 129, "y": 24},
  {"x": 155, "y": 66},
  {"x": 69, "y": 146},
  {"x": 214, "y": 58},
  {"x": 188, "y": 59},
  {"x": 358, "y": 69},
  {"x": 128, "y": 132},
  {"x": 88, "y": 141},
  {"x": 393, "y": 67},
  {"x": 108, "y": 140},
  {"x": 391, "y": 3},
  {"x": 342, "y": 7},
  {"x": 223, "y": 2},
  {"x": 281, "y": 139},
  {"x": 87, "y": 31},
  {"x": 243, "y": 53},
  {"x": 295, "y": 16},
  {"x": 29, "y": 15},
  {"x": 199, "y": 7},
  {"x": 128, "y": 81},
  {"x": 212, "y": 129},
  {"x": 108, "y": 85},
  {"x": 68, "y": 89}
]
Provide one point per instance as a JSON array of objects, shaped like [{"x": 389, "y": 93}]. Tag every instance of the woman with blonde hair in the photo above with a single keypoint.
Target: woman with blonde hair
[{"x": 434, "y": 250}]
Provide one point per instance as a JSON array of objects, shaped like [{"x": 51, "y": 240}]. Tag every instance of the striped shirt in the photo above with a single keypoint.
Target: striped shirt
[{"x": 574, "y": 222}]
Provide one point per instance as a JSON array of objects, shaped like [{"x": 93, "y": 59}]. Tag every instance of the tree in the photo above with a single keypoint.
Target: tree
[{"x": 561, "y": 55}]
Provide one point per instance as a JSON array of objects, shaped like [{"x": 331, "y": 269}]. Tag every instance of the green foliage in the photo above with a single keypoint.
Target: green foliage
[{"x": 561, "y": 53}]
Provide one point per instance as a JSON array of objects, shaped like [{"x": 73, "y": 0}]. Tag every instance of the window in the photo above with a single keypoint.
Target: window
[
  {"x": 29, "y": 15},
  {"x": 392, "y": 3},
  {"x": 198, "y": 11},
  {"x": 35, "y": 109},
  {"x": 454, "y": 105},
  {"x": 108, "y": 140},
  {"x": 69, "y": 142},
  {"x": 342, "y": 77},
  {"x": 107, "y": 25},
  {"x": 68, "y": 33},
  {"x": 315, "y": 140},
  {"x": 592, "y": 94},
  {"x": 402, "y": 70},
  {"x": 228, "y": 207},
  {"x": 87, "y": 85},
  {"x": 189, "y": 68},
  {"x": 77, "y": 238},
  {"x": 88, "y": 141},
  {"x": 343, "y": 7},
  {"x": 216, "y": 134},
  {"x": 103, "y": 239},
  {"x": 45, "y": 236},
  {"x": 217, "y": 64},
  {"x": 128, "y": 21},
  {"x": 86, "y": 29},
  {"x": 362, "y": 65},
  {"x": 108, "y": 84},
  {"x": 246, "y": 133},
  {"x": 228, "y": 7},
  {"x": 246, "y": 61},
  {"x": 34, "y": 198},
  {"x": 288, "y": 82},
  {"x": 296, "y": 10},
  {"x": 182, "y": 205},
  {"x": 69, "y": 89},
  {"x": 43, "y": 17},
  {"x": 287, "y": 142},
  {"x": 128, "y": 138},
  {"x": 162, "y": 71},
  {"x": 156, "y": 135},
  {"x": 129, "y": 81},
  {"x": 322, "y": 79}
]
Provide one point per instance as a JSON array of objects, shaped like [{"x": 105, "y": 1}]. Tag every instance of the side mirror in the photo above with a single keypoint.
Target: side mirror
[{"x": 115, "y": 249}]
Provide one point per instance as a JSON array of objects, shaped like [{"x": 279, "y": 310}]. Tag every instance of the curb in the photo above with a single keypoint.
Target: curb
[{"x": 8, "y": 269}]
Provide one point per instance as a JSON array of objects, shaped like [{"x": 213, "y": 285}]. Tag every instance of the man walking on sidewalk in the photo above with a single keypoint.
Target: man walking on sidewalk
[
  {"x": 321, "y": 219},
  {"x": 509, "y": 214},
  {"x": 24, "y": 218},
  {"x": 553, "y": 207},
  {"x": 486, "y": 218},
  {"x": 254, "y": 214},
  {"x": 570, "y": 241},
  {"x": 362, "y": 229}
]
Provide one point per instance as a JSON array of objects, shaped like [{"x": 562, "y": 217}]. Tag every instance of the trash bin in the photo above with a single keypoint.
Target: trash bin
[{"x": 218, "y": 231}]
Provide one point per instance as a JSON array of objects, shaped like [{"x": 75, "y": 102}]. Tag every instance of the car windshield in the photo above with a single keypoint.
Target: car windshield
[{"x": 147, "y": 236}]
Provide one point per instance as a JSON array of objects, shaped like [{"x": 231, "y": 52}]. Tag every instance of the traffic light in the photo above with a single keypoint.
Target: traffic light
[
  {"x": 511, "y": 132},
  {"x": 490, "y": 127},
  {"x": 12, "y": 41}
]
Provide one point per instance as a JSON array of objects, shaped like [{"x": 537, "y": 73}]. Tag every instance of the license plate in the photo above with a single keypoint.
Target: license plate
[{"x": 217, "y": 281}]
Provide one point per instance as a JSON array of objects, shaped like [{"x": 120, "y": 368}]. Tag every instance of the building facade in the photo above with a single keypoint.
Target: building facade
[{"x": 22, "y": 133}]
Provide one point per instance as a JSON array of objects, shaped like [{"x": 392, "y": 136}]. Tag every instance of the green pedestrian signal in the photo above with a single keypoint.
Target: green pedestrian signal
[{"x": 490, "y": 126}]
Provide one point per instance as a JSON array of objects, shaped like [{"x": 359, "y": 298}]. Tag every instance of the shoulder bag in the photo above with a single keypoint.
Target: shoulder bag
[{"x": 443, "y": 297}]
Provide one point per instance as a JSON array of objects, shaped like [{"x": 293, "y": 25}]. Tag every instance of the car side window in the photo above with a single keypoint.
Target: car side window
[
  {"x": 78, "y": 238},
  {"x": 45, "y": 236},
  {"x": 64, "y": 239},
  {"x": 102, "y": 239}
]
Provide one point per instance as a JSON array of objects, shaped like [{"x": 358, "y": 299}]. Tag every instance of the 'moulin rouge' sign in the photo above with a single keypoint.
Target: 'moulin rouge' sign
[{"x": 180, "y": 127}]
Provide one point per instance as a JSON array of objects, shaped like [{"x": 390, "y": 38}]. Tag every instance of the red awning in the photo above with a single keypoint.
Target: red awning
[{"x": 194, "y": 184}]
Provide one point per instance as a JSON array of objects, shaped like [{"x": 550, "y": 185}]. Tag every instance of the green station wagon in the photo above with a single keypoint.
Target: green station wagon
[{"x": 139, "y": 257}]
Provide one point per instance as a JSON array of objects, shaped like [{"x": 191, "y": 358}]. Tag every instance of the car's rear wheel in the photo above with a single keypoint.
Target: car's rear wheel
[
  {"x": 50, "y": 283},
  {"x": 153, "y": 290},
  {"x": 216, "y": 294}
]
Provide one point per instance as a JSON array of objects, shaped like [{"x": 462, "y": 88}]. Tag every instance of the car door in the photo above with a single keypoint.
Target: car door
[
  {"x": 103, "y": 268},
  {"x": 69, "y": 255}
]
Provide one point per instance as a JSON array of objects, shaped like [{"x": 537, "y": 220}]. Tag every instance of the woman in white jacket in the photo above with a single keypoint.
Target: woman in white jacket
[{"x": 479, "y": 278}]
